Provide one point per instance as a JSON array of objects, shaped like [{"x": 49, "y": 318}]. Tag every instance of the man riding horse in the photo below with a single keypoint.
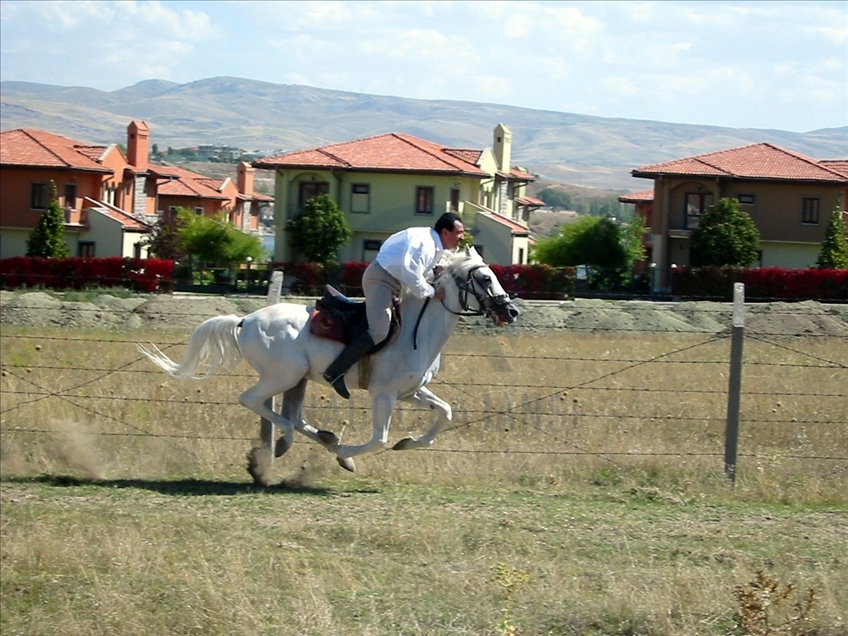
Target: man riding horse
[{"x": 406, "y": 259}]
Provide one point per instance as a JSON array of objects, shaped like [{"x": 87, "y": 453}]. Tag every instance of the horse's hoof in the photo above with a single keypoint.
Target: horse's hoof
[
  {"x": 404, "y": 444},
  {"x": 281, "y": 447},
  {"x": 347, "y": 463},
  {"x": 328, "y": 438}
]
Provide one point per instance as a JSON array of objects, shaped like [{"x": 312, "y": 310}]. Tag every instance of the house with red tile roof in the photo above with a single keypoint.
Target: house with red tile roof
[
  {"x": 111, "y": 199},
  {"x": 390, "y": 182},
  {"x": 789, "y": 196},
  {"x": 235, "y": 201},
  {"x": 101, "y": 190}
]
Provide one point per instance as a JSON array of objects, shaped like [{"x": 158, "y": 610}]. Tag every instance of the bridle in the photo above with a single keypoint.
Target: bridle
[{"x": 486, "y": 299}]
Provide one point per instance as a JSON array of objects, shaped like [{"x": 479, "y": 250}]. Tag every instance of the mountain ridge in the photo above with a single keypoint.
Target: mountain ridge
[{"x": 584, "y": 150}]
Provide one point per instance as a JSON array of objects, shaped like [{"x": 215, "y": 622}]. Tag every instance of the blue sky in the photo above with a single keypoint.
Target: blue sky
[{"x": 780, "y": 65}]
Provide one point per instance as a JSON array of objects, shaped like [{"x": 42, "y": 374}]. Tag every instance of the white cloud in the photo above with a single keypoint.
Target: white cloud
[{"x": 648, "y": 60}]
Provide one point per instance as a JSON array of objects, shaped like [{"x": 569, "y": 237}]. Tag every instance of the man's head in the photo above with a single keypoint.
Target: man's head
[{"x": 450, "y": 230}]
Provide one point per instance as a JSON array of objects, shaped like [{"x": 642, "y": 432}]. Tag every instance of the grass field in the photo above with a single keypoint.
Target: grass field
[{"x": 580, "y": 491}]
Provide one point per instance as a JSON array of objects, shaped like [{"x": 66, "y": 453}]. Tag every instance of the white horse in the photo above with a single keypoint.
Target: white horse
[{"x": 277, "y": 342}]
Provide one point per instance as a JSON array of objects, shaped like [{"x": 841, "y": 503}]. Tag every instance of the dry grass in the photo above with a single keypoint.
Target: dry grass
[{"x": 133, "y": 514}]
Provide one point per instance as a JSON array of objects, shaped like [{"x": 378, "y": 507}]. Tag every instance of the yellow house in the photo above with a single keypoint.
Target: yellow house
[
  {"x": 387, "y": 183},
  {"x": 789, "y": 197}
]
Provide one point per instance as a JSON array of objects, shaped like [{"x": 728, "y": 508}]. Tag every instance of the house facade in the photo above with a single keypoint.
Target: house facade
[
  {"x": 390, "y": 182},
  {"x": 111, "y": 200},
  {"x": 790, "y": 198}
]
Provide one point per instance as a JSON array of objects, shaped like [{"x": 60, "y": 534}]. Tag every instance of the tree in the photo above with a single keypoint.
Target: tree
[
  {"x": 48, "y": 238},
  {"x": 214, "y": 241},
  {"x": 726, "y": 236},
  {"x": 589, "y": 240},
  {"x": 319, "y": 230},
  {"x": 834, "y": 249},
  {"x": 633, "y": 234},
  {"x": 166, "y": 240}
]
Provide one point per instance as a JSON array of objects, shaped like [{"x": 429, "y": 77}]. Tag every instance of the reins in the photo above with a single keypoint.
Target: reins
[{"x": 464, "y": 288}]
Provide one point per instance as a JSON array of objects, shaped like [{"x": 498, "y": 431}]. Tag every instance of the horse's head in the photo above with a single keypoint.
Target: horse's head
[{"x": 479, "y": 289}]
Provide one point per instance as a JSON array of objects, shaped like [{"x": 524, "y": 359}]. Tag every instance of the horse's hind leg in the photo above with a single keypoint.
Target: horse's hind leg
[
  {"x": 292, "y": 408},
  {"x": 256, "y": 398},
  {"x": 425, "y": 397}
]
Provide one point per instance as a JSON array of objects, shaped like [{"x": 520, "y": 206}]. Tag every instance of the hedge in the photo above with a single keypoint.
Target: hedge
[
  {"x": 149, "y": 275},
  {"x": 761, "y": 283},
  {"x": 522, "y": 281}
]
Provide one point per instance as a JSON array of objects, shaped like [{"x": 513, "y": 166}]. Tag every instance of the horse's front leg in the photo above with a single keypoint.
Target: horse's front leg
[
  {"x": 381, "y": 419},
  {"x": 425, "y": 397}
]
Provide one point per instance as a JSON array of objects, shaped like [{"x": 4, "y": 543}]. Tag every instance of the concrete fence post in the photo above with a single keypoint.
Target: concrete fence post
[
  {"x": 731, "y": 437},
  {"x": 266, "y": 427}
]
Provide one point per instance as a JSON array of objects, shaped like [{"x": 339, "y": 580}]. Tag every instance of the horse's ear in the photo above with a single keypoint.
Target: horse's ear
[{"x": 467, "y": 251}]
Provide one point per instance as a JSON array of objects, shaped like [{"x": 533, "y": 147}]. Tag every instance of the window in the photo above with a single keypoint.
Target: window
[
  {"x": 696, "y": 204},
  {"x": 424, "y": 200},
  {"x": 454, "y": 200},
  {"x": 360, "y": 195},
  {"x": 310, "y": 189},
  {"x": 520, "y": 256},
  {"x": 39, "y": 196},
  {"x": 71, "y": 195},
  {"x": 810, "y": 211},
  {"x": 198, "y": 211},
  {"x": 86, "y": 249},
  {"x": 370, "y": 249},
  {"x": 746, "y": 199}
]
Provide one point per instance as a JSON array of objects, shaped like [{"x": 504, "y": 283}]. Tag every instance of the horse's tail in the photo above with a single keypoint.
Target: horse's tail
[{"x": 213, "y": 347}]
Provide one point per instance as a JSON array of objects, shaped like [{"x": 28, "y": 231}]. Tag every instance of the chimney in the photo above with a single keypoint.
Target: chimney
[
  {"x": 244, "y": 178},
  {"x": 503, "y": 147},
  {"x": 137, "y": 134}
]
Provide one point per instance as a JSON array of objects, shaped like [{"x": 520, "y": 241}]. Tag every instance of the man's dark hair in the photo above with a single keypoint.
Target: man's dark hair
[{"x": 447, "y": 222}]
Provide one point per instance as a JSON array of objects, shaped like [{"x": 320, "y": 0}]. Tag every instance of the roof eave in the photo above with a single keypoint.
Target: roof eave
[{"x": 31, "y": 166}]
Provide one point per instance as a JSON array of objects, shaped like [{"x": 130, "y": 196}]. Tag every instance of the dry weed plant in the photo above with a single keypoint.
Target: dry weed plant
[
  {"x": 510, "y": 580},
  {"x": 768, "y": 608}
]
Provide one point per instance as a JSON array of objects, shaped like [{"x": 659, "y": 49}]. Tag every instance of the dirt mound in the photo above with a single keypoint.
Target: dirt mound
[{"x": 38, "y": 309}]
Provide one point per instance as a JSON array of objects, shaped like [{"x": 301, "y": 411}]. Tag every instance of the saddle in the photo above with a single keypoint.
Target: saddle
[{"x": 339, "y": 318}]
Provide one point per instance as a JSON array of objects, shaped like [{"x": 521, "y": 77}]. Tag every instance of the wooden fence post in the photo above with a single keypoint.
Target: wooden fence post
[
  {"x": 731, "y": 436},
  {"x": 266, "y": 427}
]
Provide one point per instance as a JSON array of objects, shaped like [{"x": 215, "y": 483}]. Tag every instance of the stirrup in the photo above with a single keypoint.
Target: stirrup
[{"x": 338, "y": 384}]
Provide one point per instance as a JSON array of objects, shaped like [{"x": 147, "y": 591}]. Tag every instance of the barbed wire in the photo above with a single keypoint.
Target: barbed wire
[
  {"x": 490, "y": 385},
  {"x": 514, "y": 412},
  {"x": 458, "y": 354},
  {"x": 486, "y": 451}
]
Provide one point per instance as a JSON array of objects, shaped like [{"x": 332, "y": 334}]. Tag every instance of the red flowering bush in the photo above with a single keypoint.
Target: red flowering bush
[
  {"x": 536, "y": 281},
  {"x": 151, "y": 275},
  {"x": 761, "y": 283}
]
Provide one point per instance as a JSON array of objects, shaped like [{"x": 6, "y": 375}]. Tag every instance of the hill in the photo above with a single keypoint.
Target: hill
[{"x": 259, "y": 116}]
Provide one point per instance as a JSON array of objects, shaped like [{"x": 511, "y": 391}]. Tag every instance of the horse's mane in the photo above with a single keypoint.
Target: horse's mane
[
  {"x": 460, "y": 258},
  {"x": 455, "y": 262}
]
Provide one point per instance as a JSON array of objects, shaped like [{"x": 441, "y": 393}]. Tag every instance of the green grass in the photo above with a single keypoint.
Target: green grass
[
  {"x": 128, "y": 511},
  {"x": 377, "y": 556}
]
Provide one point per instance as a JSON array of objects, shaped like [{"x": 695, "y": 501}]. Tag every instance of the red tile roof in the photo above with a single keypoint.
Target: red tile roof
[
  {"x": 840, "y": 165},
  {"x": 40, "y": 149},
  {"x": 529, "y": 201},
  {"x": 392, "y": 152},
  {"x": 516, "y": 173},
  {"x": 758, "y": 161},
  {"x": 174, "y": 181},
  {"x": 514, "y": 226},
  {"x": 638, "y": 197}
]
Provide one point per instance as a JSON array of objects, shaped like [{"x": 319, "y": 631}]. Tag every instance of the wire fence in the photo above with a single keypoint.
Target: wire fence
[{"x": 598, "y": 393}]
